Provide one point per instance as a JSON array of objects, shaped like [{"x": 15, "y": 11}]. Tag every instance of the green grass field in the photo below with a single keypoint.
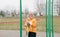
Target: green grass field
[
  {"x": 9, "y": 23},
  {"x": 13, "y": 24}
]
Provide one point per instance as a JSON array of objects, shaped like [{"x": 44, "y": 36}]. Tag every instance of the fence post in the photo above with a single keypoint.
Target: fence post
[
  {"x": 20, "y": 18},
  {"x": 48, "y": 32}
]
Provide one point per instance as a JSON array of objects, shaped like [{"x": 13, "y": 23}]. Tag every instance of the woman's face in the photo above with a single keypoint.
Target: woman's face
[{"x": 30, "y": 16}]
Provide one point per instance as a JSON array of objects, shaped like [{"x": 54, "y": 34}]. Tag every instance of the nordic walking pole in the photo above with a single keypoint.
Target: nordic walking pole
[{"x": 27, "y": 26}]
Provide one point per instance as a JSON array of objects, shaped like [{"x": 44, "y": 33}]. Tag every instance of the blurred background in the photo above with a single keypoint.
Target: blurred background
[{"x": 10, "y": 14}]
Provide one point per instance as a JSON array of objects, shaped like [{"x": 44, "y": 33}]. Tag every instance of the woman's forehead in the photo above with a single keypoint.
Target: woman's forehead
[{"x": 30, "y": 14}]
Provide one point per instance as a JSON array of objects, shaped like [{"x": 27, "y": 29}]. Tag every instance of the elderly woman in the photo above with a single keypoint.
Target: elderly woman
[{"x": 31, "y": 26}]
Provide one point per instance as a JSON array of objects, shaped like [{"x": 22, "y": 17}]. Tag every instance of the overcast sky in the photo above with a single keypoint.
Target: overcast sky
[
  {"x": 6, "y": 4},
  {"x": 30, "y": 4},
  {"x": 14, "y": 4}
]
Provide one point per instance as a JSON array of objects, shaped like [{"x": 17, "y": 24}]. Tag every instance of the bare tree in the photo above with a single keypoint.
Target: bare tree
[
  {"x": 26, "y": 11},
  {"x": 58, "y": 5},
  {"x": 35, "y": 13},
  {"x": 13, "y": 13},
  {"x": 2, "y": 13},
  {"x": 59, "y": 11},
  {"x": 39, "y": 7}
]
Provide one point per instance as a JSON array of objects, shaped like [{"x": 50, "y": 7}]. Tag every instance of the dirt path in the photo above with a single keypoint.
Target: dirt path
[{"x": 15, "y": 33}]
